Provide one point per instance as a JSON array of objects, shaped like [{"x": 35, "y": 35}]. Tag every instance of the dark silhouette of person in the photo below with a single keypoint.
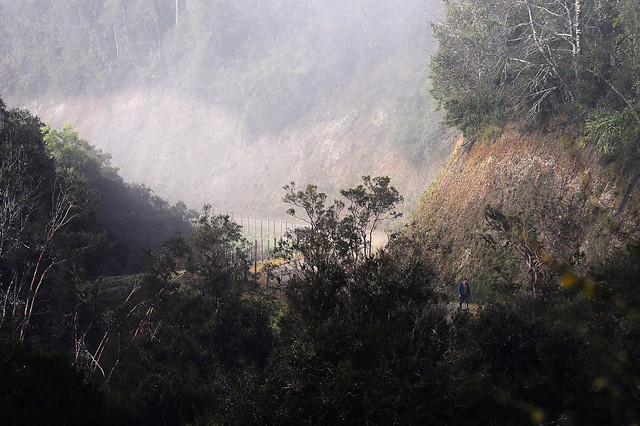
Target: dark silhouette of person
[{"x": 463, "y": 293}]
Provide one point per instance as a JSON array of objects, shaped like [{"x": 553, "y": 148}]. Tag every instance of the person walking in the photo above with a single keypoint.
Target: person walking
[{"x": 463, "y": 293}]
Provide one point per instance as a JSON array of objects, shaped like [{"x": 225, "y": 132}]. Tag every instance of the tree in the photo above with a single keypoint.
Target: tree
[
  {"x": 332, "y": 236},
  {"x": 132, "y": 217},
  {"x": 46, "y": 388},
  {"x": 187, "y": 326},
  {"x": 522, "y": 238},
  {"x": 66, "y": 206},
  {"x": 219, "y": 257},
  {"x": 361, "y": 331},
  {"x": 39, "y": 203},
  {"x": 465, "y": 70},
  {"x": 501, "y": 59},
  {"x": 326, "y": 257},
  {"x": 25, "y": 176},
  {"x": 370, "y": 204}
]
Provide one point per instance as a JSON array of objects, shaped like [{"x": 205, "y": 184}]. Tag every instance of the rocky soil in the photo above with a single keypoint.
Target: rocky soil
[{"x": 556, "y": 189}]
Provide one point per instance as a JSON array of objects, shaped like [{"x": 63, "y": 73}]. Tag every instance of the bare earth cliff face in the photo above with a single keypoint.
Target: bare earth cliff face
[
  {"x": 558, "y": 191},
  {"x": 188, "y": 150}
]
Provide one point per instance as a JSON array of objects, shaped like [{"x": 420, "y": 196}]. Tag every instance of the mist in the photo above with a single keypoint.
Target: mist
[{"x": 225, "y": 102}]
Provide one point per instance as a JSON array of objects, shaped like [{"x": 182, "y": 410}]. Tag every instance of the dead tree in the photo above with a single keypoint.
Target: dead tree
[{"x": 521, "y": 237}]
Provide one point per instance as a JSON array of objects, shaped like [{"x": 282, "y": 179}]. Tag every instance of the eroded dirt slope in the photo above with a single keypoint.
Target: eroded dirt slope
[
  {"x": 558, "y": 191},
  {"x": 186, "y": 149}
]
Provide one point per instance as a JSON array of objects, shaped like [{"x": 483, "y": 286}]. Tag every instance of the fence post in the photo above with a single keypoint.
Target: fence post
[{"x": 255, "y": 261}]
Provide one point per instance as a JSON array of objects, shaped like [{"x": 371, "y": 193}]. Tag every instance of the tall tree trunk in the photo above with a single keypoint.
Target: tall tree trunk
[
  {"x": 546, "y": 54},
  {"x": 115, "y": 35},
  {"x": 578, "y": 26}
]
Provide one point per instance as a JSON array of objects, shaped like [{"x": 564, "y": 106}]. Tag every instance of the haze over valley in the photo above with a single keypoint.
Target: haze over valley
[{"x": 203, "y": 109}]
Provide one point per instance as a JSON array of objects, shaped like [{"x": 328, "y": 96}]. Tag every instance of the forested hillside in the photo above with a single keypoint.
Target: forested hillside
[
  {"x": 67, "y": 218},
  {"x": 234, "y": 99},
  {"x": 538, "y": 205},
  {"x": 269, "y": 62},
  {"x": 537, "y": 208},
  {"x": 500, "y": 60},
  {"x": 544, "y": 180}
]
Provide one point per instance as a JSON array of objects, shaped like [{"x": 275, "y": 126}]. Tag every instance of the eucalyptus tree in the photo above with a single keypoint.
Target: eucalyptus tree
[
  {"x": 40, "y": 203},
  {"x": 502, "y": 59}
]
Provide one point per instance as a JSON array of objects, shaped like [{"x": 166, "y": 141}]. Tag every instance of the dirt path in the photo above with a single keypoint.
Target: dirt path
[{"x": 455, "y": 306}]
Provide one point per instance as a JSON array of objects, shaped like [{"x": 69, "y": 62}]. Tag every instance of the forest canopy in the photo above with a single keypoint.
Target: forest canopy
[
  {"x": 524, "y": 60},
  {"x": 345, "y": 334},
  {"x": 266, "y": 61}
]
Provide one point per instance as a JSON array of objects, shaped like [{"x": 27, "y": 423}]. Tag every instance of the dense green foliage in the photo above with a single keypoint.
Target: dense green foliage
[
  {"x": 358, "y": 336},
  {"x": 127, "y": 333},
  {"x": 500, "y": 60},
  {"x": 134, "y": 217},
  {"x": 66, "y": 217},
  {"x": 45, "y": 388},
  {"x": 268, "y": 62},
  {"x": 188, "y": 328},
  {"x": 46, "y": 223},
  {"x": 370, "y": 339}
]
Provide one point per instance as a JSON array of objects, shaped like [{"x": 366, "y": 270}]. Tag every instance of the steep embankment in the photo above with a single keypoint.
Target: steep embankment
[
  {"x": 560, "y": 194},
  {"x": 186, "y": 149}
]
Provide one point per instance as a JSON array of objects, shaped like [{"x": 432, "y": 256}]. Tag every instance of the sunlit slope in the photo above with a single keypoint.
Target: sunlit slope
[{"x": 558, "y": 194}]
